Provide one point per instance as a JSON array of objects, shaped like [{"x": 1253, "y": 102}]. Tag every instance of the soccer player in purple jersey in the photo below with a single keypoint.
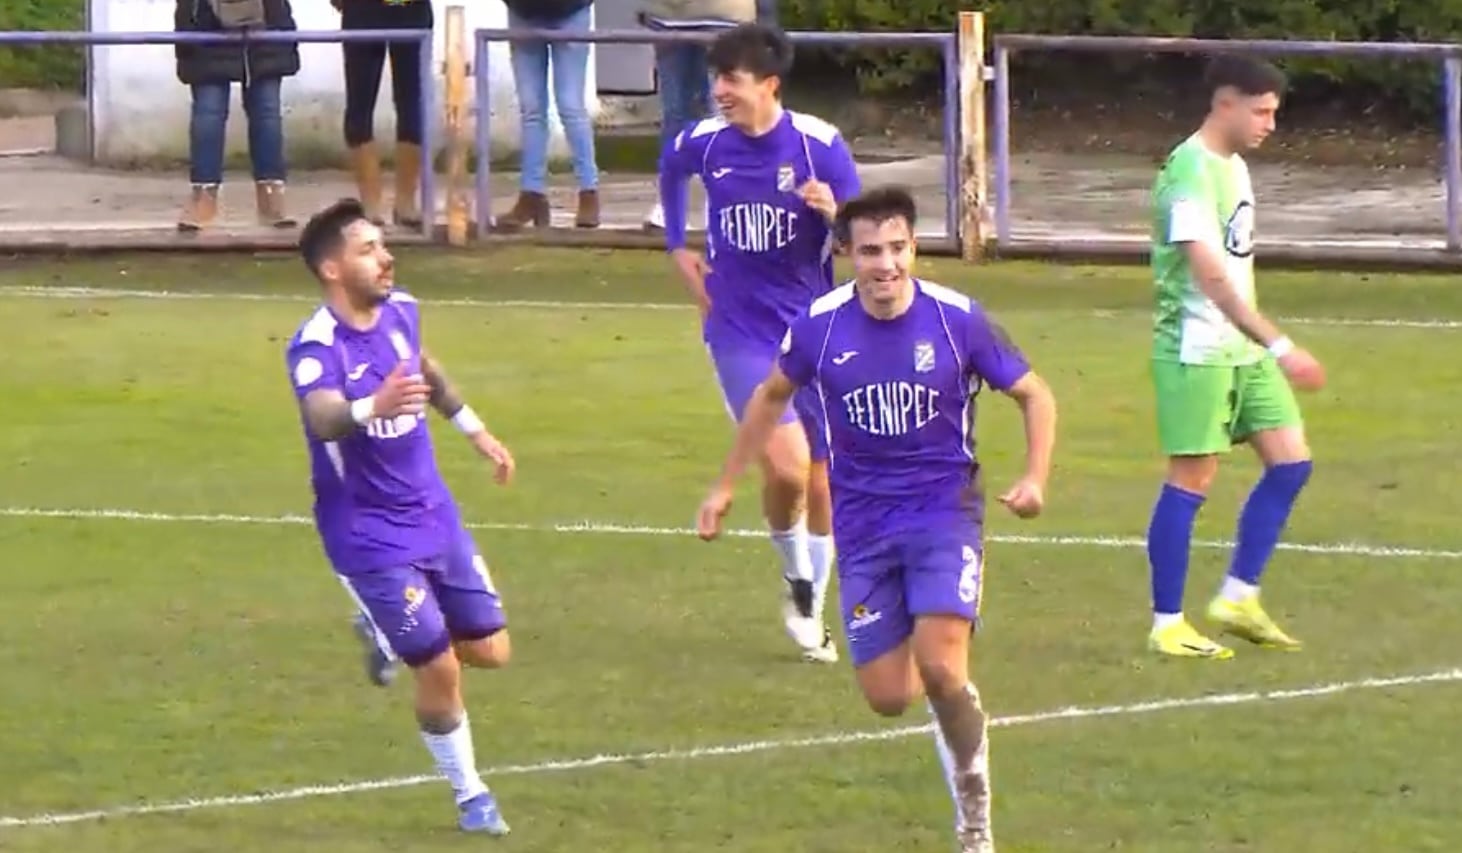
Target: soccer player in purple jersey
[
  {"x": 387, "y": 522},
  {"x": 897, "y": 364},
  {"x": 774, "y": 179}
]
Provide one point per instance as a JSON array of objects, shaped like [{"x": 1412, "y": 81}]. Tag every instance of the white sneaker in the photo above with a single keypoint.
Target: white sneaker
[
  {"x": 797, "y": 616},
  {"x": 974, "y": 804},
  {"x": 825, "y": 653},
  {"x": 655, "y": 219}
]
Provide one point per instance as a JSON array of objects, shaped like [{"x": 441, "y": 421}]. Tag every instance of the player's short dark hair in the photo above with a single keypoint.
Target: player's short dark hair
[
  {"x": 1247, "y": 75},
  {"x": 760, "y": 50},
  {"x": 324, "y": 234},
  {"x": 876, "y": 206}
]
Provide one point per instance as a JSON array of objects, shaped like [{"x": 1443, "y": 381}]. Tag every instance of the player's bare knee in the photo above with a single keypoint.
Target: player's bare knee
[
  {"x": 942, "y": 678},
  {"x": 891, "y": 701},
  {"x": 1193, "y": 474},
  {"x": 819, "y": 500},
  {"x": 491, "y": 652},
  {"x": 1282, "y": 446}
]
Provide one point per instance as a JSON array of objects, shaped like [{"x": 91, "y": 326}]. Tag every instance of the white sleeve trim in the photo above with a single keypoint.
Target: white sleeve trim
[{"x": 1191, "y": 222}]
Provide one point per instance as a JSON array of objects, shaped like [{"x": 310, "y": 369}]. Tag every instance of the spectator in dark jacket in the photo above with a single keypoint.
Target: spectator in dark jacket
[
  {"x": 570, "y": 63},
  {"x": 211, "y": 70}
]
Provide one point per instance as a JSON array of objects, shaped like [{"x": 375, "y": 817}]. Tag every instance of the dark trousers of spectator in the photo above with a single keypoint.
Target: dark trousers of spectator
[{"x": 364, "y": 64}]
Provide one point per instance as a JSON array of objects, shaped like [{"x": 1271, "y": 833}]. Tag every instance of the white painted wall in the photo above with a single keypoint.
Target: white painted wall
[{"x": 140, "y": 110}]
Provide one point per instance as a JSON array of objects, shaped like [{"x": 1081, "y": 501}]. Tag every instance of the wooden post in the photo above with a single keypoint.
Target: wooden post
[
  {"x": 455, "y": 37},
  {"x": 973, "y": 179}
]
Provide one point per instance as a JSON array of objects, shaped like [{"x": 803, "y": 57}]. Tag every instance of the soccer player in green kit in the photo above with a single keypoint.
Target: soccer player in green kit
[{"x": 1222, "y": 371}]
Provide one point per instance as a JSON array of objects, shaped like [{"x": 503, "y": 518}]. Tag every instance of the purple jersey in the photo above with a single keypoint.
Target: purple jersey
[
  {"x": 379, "y": 499},
  {"x": 898, "y": 405},
  {"x": 770, "y": 254}
]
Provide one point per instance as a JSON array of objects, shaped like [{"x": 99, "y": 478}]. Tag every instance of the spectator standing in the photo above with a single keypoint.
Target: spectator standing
[
  {"x": 364, "y": 63},
  {"x": 569, "y": 62},
  {"x": 211, "y": 70},
  {"x": 683, "y": 76}
]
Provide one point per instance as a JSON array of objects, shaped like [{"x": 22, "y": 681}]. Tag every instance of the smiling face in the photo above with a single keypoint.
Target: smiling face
[
  {"x": 744, "y": 99},
  {"x": 883, "y": 259}
]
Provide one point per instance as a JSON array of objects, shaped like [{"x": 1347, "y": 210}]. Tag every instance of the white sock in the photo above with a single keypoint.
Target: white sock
[
  {"x": 456, "y": 761},
  {"x": 1236, "y": 590},
  {"x": 792, "y": 545},
  {"x": 946, "y": 760},
  {"x": 1163, "y": 620},
  {"x": 820, "y": 550}
]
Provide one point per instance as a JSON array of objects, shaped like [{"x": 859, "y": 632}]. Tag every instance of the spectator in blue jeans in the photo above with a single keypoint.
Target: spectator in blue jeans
[
  {"x": 211, "y": 70},
  {"x": 570, "y": 63},
  {"x": 684, "y": 76}
]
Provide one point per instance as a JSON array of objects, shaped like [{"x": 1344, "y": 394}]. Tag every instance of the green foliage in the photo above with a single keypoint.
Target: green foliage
[
  {"x": 1409, "y": 83},
  {"x": 42, "y": 67}
]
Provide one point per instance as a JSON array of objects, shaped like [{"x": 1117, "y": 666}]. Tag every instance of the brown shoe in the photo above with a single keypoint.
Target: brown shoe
[
  {"x": 530, "y": 209},
  {"x": 406, "y": 210},
  {"x": 365, "y": 167},
  {"x": 588, "y": 215},
  {"x": 269, "y": 199},
  {"x": 201, "y": 209}
]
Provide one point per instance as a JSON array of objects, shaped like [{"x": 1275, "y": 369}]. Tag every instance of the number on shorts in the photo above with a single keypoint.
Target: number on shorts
[
  {"x": 480, "y": 565},
  {"x": 969, "y": 576}
]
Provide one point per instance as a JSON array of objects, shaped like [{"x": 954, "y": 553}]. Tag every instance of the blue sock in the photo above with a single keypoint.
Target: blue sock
[
  {"x": 1264, "y": 516},
  {"x": 1169, "y": 537}
]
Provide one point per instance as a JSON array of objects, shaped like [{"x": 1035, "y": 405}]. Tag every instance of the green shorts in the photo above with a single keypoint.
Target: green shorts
[{"x": 1203, "y": 410}]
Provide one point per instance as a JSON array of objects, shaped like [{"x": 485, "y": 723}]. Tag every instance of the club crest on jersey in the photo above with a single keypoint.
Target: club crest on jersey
[
  {"x": 786, "y": 178},
  {"x": 923, "y": 357}
]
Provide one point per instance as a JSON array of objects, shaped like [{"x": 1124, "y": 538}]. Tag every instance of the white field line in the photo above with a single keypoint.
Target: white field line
[
  {"x": 36, "y": 292},
  {"x": 1352, "y": 549},
  {"x": 696, "y": 753}
]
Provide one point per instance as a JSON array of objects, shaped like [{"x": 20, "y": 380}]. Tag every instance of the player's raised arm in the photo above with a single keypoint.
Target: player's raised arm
[
  {"x": 448, "y": 402},
  {"x": 329, "y": 415}
]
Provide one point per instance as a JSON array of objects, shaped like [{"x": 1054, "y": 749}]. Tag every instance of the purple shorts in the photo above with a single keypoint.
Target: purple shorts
[
  {"x": 740, "y": 370},
  {"x": 886, "y": 583},
  {"x": 418, "y": 610}
]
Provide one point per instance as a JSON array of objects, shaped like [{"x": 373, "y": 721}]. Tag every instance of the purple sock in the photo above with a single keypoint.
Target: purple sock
[
  {"x": 1265, "y": 514},
  {"x": 1169, "y": 536}
]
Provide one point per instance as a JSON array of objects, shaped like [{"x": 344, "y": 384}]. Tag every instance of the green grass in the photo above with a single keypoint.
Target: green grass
[{"x": 150, "y": 661}]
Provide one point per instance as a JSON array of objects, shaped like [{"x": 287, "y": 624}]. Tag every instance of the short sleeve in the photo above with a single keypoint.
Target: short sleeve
[
  {"x": 797, "y": 361},
  {"x": 840, "y": 171},
  {"x": 991, "y": 353},
  {"x": 1190, "y": 205},
  {"x": 314, "y": 367}
]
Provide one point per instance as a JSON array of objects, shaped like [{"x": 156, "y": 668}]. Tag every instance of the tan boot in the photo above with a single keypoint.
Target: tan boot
[
  {"x": 269, "y": 200},
  {"x": 588, "y": 215},
  {"x": 365, "y": 164},
  {"x": 201, "y": 209},
  {"x": 530, "y": 209},
  {"x": 406, "y": 210}
]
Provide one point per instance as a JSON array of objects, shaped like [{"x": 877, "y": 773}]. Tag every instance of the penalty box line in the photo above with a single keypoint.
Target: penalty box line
[{"x": 743, "y": 748}]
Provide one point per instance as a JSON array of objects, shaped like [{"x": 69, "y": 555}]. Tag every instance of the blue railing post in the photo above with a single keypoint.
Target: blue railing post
[
  {"x": 482, "y": 97},
  {"x": 1452, "y": 122},
  {"x": 428, "y": 138},
  {"x": 952, "y": 108},
  {"x": 1002, "y": 146}
]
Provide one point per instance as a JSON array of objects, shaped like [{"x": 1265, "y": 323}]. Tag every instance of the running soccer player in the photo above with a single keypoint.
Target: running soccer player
[
  {"x": 896, "y": 364},
  {"x": 774, "y": 179},
  {"x": 1219, "y": 367},
  {"x": 387, "y": 523}
]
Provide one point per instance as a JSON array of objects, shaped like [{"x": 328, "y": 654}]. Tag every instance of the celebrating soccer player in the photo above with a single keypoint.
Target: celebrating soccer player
[
  {"x": 774, "y": 179},
  {"x": 388, "y": 525},
  {"x": 1219, "y": 367},
  {"x": 896, "y": 364}
]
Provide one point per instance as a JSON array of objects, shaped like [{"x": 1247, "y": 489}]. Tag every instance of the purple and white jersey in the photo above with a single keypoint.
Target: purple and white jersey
[
  {"x": 770, "y": 254},
  {"x": 898, "y": 404},
  {"x": 379, "y": 499}
]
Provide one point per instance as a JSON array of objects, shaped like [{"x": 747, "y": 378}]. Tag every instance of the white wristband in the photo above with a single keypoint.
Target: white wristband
[
  {"x": 467, "y": 421},
  {"x": 362, "y": 410},
  {"x": 1281, "y": 348}
]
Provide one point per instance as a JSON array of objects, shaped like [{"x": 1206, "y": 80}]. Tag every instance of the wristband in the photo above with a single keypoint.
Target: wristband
[
  {"x": 362, "y": 410},
  {"x": 467, "y": 421},
  {"x": 1281, "y": 347}
]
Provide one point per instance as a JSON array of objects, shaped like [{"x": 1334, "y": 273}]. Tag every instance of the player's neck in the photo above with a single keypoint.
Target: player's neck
[
  {"x": 889, "y": 310},
  {"x": 362, "y": 319},
  {"x": 1213, "y": 140},
  {"x": 763, "y": 124}
]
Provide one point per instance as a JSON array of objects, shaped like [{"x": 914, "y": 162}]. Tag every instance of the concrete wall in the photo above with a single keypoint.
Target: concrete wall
[{"x": 139, "y": 110}]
